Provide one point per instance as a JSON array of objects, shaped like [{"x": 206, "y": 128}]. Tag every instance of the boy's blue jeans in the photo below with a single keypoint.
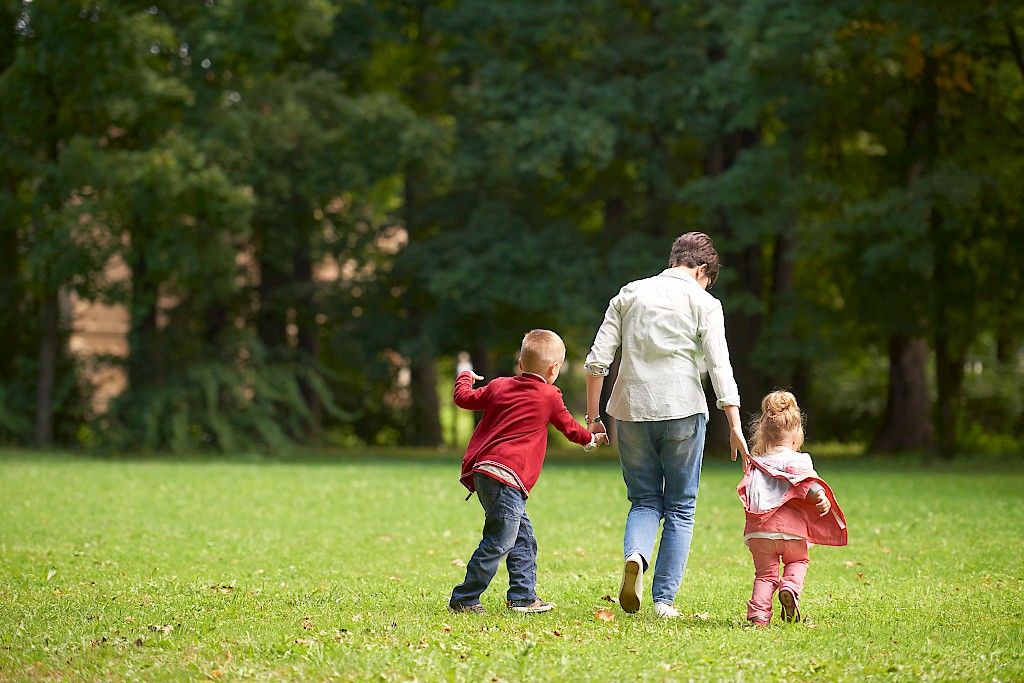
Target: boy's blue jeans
[
  {"x": 661, "y": 466},
  {"x": 507, "y": 531}
]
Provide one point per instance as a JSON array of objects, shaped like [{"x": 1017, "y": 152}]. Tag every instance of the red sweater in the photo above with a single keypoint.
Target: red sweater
[{"x": 513, "y": 434}]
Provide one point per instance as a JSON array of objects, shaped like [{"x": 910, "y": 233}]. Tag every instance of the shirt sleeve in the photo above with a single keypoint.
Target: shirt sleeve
[
  {"x": 566, "y": 423},
  {"x": 466, "y": 396},
  {"x": 606, "y": 342},
  {"x": 711, "y": 330}
]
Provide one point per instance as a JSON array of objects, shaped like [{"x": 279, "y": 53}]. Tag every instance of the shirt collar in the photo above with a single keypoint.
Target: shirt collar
[
  {"x": 533, "y": 375},
  {"x": 679, "y": 275}
]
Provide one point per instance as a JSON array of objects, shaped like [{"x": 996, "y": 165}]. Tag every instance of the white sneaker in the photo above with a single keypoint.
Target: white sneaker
[
  {"x": 665, "y": 610},
  {"x": 632, "y": 587}
]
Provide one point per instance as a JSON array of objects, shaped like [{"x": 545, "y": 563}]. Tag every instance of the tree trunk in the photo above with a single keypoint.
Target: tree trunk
[
  {"x": 949, "y": 375},
  {"x": 308, "y": 332},
  {"x": 143, "y": 363},
  {"x": 271, "y": 318},
  {"x": 907, "y": 426},
  {"x": 426, "y": 408},
  {"x": 743, "y": 325},
  {"x": 49, "y": 320},
  {"x": 11, "y": 294}
]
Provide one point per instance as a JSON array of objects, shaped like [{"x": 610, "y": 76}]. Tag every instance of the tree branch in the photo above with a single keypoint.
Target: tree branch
[{"x": 1015, "y": 49}]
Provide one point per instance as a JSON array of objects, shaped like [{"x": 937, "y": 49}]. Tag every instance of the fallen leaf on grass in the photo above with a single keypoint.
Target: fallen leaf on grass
[
  {"x": 307, "y": 623},
  {"x": 224, "y": 588},
  {"x": 851, "y": 563},
  {"x": 161, "y": 628},
  {"x": 308, "y": 642},
  {"x": 604, "y": 615},
  {"x": 50, "y": 574},
  {"x": 138, "y": 641},
  {"x": 556, "y": 634},
  {"x": 886, "y": 550},
  {"x": 458, "y": 563},
  {"x": 703, "y": 616},
  {"x": 609, "y": 598},
  {"x": 445, "y": 628}
]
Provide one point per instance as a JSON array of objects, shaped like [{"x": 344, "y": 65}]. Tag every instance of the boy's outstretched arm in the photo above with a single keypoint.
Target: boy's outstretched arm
[
  {"x": 573, "y": 430},
  {"x": 465, "y": 396}
]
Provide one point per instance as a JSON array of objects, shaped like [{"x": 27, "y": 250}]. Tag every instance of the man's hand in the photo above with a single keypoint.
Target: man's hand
[
  {"x": 738, "y": 445},
  {"x": 475, "y": 377}
]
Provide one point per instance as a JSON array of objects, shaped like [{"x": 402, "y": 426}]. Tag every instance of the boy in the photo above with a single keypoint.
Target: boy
[{"x": 502, "y": 463}]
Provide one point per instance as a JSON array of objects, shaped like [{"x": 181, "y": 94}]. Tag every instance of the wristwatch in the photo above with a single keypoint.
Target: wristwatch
[{"x": 594, "y": 421}]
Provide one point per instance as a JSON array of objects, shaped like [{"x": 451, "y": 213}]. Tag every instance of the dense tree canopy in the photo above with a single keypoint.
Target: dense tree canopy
[{"x": 316, "y": 204}]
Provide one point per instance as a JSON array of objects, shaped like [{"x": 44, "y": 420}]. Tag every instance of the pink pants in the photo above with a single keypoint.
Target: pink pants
[{"x": 766, "y": 553}]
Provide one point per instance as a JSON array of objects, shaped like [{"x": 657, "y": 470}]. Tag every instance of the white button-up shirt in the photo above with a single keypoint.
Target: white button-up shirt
[{"x": 668, "y": 327}]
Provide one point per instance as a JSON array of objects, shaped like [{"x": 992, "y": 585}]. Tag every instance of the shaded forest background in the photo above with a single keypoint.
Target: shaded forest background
[{"x": 307, "y": 208}]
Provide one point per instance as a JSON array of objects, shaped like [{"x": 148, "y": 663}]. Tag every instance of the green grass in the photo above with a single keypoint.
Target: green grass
[{"x": 341, "y": 568}]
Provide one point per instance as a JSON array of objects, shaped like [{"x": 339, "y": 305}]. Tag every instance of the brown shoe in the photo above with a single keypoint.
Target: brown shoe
[
  {"x": 472, "y": 609},
  {"x": 534, "y": 607},
  {"x": 758, "y": 623},
  {"x": 790, "y": 605}
]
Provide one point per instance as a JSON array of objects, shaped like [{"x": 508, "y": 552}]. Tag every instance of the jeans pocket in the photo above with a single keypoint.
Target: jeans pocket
[{"x": 682, "y": 429}]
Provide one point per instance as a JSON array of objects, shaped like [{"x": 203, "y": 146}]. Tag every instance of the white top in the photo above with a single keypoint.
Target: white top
[{"x": 667, "y": 326}]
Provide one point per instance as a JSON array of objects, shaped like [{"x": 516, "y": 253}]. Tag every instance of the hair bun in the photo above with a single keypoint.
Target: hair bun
[{"x": 778, "y": 402}]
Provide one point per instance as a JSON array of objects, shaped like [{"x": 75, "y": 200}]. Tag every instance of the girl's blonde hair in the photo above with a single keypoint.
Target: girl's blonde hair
[{"x": 780, "y": 420}]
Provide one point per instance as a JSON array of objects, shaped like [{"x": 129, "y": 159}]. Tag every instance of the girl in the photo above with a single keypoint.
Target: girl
[{"x": 787, "y": 506}]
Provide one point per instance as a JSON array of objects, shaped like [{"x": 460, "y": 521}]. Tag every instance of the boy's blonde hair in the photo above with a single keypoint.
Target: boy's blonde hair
[
  {"x": 540, "y": 349},
  {"x": 779, "y": 420}
]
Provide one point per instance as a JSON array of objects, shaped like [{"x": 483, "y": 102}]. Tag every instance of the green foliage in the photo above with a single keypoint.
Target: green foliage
[
  {"x": 248, "y": 406},
  {"x": 470, "y": 170}
]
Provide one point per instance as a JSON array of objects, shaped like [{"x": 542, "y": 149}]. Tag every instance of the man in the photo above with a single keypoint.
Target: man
[{"x": 666, "y": 326}]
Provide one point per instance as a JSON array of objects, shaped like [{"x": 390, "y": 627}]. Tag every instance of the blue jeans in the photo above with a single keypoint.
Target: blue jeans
[
  {"x": 661, "y": 466},
  {"x": 507, "y": 531}
]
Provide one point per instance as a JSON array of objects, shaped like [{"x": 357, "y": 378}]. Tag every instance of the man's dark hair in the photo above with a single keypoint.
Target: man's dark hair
[{"x": 695, "y": 249}]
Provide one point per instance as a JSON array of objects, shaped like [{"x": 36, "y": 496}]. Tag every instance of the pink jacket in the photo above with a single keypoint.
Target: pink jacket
[{"x": 792, "y": 512}]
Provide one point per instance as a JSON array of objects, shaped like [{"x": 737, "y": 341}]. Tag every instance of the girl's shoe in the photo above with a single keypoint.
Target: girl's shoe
[
  {"x": 632, "y": 587},
  {"x": 534, "y": 607},
  {"x": 758, "y": 623},
  {"x": 790, "y": 605},
  {"x": 665, "y": 610}
]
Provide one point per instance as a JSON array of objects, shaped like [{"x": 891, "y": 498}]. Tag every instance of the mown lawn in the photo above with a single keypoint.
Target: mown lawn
[{"x": 341, "y": 568}]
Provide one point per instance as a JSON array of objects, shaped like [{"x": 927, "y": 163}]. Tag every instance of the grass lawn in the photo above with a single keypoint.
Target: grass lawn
[{"x": 341, "y": 568}]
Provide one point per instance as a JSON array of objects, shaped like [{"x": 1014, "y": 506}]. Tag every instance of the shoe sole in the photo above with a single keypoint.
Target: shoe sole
[
  {"x": 790, "y": 610},
  {"x": 629, "y": 591},
  {"x": 533, "y": 610}
]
